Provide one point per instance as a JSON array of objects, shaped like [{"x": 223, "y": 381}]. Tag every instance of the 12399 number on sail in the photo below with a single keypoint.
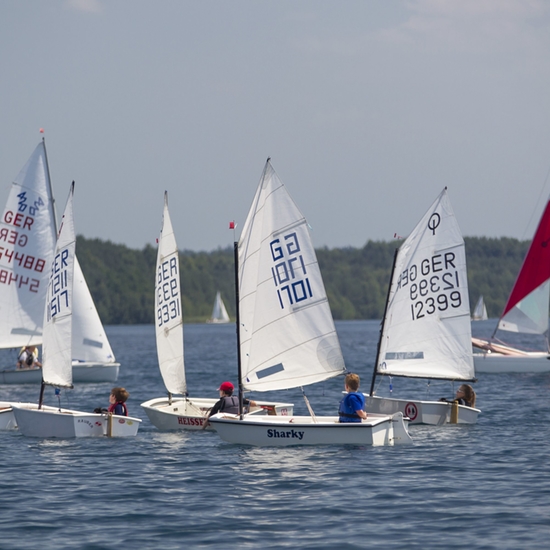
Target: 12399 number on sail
[{"x": 433, "y": 285}]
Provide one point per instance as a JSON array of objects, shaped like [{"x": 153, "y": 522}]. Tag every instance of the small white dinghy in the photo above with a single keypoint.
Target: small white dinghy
[
  {"x": 178, "y": 413},
  {"x": 57, "y": 353},
  {"x": 286, "y": 333},
  {"x": 426, "y": 329}
]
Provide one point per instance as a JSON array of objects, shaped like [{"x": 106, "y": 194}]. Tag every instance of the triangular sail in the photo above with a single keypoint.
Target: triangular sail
[
  {"x": 480, "y": 311},
  {"x": 427, "y": 330},
  {"x": 28, "y": 235},
  {"x": 90, "y": 343},
  {"x": 168, "y": 314},
  {"x": 56, "y": 346},
  {"x": 219, "y": 313},
  {"x": 527, "y": 307},
  {"x": 287, "y": 333}
]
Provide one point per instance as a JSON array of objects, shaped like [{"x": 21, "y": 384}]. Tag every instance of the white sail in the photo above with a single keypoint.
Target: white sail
[
  {"x": 480, "y": 311},
  {"x": 56, "y": 347},
  {"x": 219, "y": 313},
  {"x": 287, "y": 333},
  {"x": 27, "y": 241},
  {"x": 530, "y": 315},
  {"x": 169, "y": 319},
  {"x": 90, "y": 343},
  {"x": 427, "y": 329}
]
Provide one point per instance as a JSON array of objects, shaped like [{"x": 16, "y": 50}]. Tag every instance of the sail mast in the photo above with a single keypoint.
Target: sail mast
[
  {"x": 383, "y": 323},
  {"x": 237, "y": 322},
  {"x": 54, "y": 217}
]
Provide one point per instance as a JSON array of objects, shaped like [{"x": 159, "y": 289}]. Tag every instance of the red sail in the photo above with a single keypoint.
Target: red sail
[{"x": 536, "y": 265}]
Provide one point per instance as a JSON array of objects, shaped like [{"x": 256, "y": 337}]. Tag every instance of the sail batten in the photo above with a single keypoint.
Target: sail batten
[
  {"x": 285, "y": 318},
  {"x": 427, "y": 331},
  {"x": 169, "y": 317}
]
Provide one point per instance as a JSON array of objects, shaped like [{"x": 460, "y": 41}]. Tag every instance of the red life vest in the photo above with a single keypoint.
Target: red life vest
[{"x": 112, "y": 408}]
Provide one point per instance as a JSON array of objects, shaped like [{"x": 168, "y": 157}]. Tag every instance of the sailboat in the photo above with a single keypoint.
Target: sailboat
[
  {"x": 480, "y": 311},
  {"x": 219, "y": 312},
  {"x": 526, "y": 311},
  {"x": 178, "y": 413},
  {"x": 286, "y": 333},
  {"x": 27, "y": 236},
  {"x": 426, "y": 330},
  {"x": 57, "y": 355}
]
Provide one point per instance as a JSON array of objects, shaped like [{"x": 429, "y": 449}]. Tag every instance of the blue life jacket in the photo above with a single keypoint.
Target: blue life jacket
[
  {"x": 230, "y": 404},
  {"x": 350, "y": 403}
]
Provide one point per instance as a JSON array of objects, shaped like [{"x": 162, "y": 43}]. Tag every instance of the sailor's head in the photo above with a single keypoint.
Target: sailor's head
[{"x": 227, "y": 388}]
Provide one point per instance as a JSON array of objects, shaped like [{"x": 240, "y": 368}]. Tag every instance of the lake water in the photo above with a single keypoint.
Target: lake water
[{"x": 482, "y": 486}]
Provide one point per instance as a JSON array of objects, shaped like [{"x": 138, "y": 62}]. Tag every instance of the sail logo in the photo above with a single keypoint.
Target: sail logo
[
  {"x": 289, "y": 270},
  {"x": 31, "y": 208},
  {"x": 168, "y": 296},
  {"x": 433, "y": 222}
]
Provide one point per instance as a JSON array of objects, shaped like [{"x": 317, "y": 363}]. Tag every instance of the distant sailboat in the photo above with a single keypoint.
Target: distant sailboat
[
  {"x": 526, "y": 311},
  {"x": 219, "y": 313},
  {"x": 480, "y": 311}
]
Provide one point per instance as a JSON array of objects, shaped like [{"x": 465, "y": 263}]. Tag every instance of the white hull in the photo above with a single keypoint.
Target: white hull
[
  {"x": 7, "y": 418},
  {"x": 189, "y": 414},
  {"x": 435, "y": 413},
  {"x": 83, "y": 373},
  {"x": 302, "y": 430},
  {"x": 65, "y": 423},
  {"x": 496, "y": 363}
]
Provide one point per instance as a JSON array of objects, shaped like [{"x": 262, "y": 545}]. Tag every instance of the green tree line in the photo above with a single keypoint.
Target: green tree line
[{"x": 121, "y": 279}]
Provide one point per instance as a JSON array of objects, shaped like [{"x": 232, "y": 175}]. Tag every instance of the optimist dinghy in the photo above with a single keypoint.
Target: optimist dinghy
[{"x": 286, "y": 333}]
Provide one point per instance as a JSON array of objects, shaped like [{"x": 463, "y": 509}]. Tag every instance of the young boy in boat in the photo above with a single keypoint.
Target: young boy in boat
[
  {"x": 28, "y": 358},
  {"x": 228, "y": 402},
  {"x": 353, "y": 404},
  {"x": 117, "y": 401}
]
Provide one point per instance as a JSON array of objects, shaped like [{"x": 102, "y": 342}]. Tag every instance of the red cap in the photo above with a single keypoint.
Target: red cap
[{"x": 226, "y": 386}]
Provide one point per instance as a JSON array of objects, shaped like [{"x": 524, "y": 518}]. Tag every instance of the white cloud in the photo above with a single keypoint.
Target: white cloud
[{"x": 472, "y": 25}]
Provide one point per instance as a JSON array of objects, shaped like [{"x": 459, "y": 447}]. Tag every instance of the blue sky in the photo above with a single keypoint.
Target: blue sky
[{"x": 366, "y": 108}]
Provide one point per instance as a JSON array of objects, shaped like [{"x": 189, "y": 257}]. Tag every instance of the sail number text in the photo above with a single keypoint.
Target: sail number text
[
  {"x": 168, "y": 296},
  {"x": 59, "y": 299},
  {"x": 289, "y": 270},
  {"x": 433, "y": 285},
  {"x": 23, "y": 219}
]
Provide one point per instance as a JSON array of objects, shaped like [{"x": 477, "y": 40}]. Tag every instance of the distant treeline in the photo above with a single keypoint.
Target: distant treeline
[{"x": 121, "y": 280}]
